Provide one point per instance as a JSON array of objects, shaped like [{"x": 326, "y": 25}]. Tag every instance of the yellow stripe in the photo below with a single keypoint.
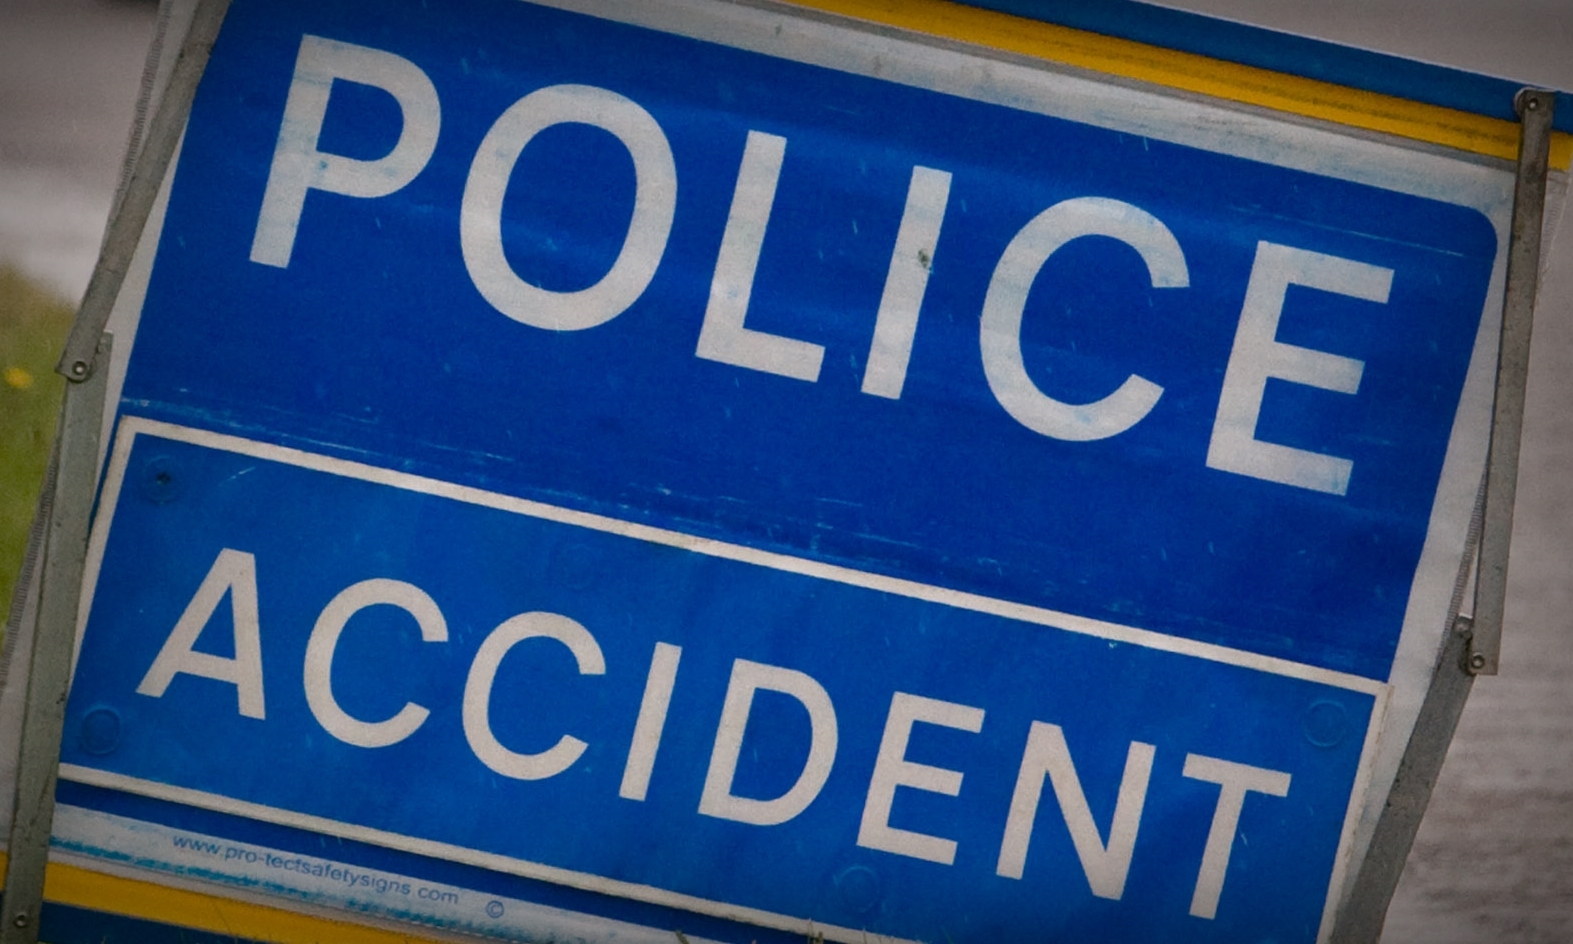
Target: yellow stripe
[
  {"x": 83, "y": 888},
  {"x": 1193, "y": 73}
]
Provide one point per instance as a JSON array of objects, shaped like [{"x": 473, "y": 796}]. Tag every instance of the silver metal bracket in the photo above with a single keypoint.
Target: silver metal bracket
[
  {"x": 49, "y": 665},
  {"x": 1473, "y": 646},
  {"x": 77, "y": 362},
  {"x": 1536, "y": 109},
  {"x": 1361, "y": 919},
  {"x": 83, "y": 363}
]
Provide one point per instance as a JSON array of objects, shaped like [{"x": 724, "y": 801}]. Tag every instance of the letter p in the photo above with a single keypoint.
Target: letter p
[{"x": 297, "y": 164}]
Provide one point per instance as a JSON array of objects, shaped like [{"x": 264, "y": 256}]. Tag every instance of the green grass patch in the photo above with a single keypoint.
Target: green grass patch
[{"x": 33, "y": 328}]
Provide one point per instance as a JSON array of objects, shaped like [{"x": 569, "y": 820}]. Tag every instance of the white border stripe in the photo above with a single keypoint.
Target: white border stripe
[
  {"x": 485, "y": 860},
  {"x": 133, "y": 426},
  {"x": 1343, "y": 871},
  {"x": 102, "y": 841},
  {"x": 984, "y": 74}
]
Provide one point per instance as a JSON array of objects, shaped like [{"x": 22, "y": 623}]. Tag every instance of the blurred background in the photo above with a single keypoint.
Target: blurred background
[{"x": 1494, "y": 858}]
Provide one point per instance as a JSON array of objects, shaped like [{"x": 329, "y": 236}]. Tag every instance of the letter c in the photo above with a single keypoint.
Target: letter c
[
  {"x": 478, "y": 694},
  {"x": 325, "y": 639},
  {"x": 1000, "y": 335}
]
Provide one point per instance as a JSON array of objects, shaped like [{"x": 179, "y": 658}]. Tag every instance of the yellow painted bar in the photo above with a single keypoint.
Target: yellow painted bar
[
  {"x": 84, "y": 888},
  {"x": 1189, "y": 72}
]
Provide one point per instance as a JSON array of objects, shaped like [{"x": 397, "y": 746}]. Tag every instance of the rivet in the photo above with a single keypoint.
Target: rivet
[
  {"x": 1477, "y": 661},
  {"x": 161, "y": 481},
  {"x": 79, "y": 368},
  {"x": 861, "y": 889},
  {"x": 20, "y": 920},
  {"x": 1325, "y": 723},
  {"x": 100, "y": 732}
]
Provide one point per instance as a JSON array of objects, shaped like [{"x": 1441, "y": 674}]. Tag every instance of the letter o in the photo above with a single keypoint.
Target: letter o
[
  {"x": 655, "y": 202},
  {"x": 1000, "y": 334}
]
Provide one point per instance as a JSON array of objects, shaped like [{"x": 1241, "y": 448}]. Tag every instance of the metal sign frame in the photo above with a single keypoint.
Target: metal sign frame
[
  {"x": 1474, "y": 646},
  {"x": 1471, "y": 649}
]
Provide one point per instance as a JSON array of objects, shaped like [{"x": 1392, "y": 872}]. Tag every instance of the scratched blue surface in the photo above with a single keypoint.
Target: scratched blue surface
[
  {"x": 375, "y": 343},
  {"x": 312, "y": 534}
]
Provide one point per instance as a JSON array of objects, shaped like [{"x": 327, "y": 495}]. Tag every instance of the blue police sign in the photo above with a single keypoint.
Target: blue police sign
[{"x": 708, "y": 468}]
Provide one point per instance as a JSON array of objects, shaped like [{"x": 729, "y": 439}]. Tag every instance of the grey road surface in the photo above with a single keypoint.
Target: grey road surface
[
  {"x": 1494, "y": 858},
  {"x": 69, "y": 72}
]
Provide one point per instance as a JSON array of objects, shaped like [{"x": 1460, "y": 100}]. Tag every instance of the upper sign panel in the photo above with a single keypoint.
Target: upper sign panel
[{"x": 823, "y": 313}]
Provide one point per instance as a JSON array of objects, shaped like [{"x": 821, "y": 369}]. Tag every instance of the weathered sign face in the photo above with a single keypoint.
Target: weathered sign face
[{"x": 707, "y": 467}]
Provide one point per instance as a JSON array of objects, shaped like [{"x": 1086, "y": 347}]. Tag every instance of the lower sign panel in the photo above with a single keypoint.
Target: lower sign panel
[{"x": 464, "y": 680}]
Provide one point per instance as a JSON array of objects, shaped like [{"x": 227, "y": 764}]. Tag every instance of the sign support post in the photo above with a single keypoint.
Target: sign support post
[
  {"x": 49, "y": 668},
  {"x": 1475, "y": 644},
  {"x": 136, "y": 203},
  {"x": 1536, "y": 109},
  {"x": 69, "y": 514},
  {"x": 1362, "y": 917}
]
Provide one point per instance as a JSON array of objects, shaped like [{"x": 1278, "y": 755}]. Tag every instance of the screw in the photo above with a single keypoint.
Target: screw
[{"x": 1477, "y": 661}]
